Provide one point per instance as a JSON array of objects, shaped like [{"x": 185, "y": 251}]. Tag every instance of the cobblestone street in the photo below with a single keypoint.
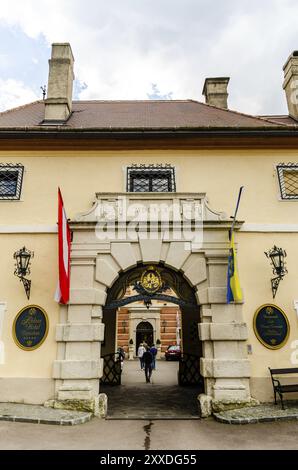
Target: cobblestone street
[
  {"x": 164, "y": 374},
  {"x": 152, "y": 402},
  {"x": 161, "y": 399}
]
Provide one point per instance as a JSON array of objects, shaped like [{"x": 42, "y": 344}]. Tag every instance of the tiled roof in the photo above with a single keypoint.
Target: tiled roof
[
  {"x": 151, "y": 114},
  {"x": 281, "y": 119}
]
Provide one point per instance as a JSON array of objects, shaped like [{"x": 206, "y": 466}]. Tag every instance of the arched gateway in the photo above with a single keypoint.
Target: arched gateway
[
  {"x": 107, "y": 245},
  {"x": 153, "y": 282}
]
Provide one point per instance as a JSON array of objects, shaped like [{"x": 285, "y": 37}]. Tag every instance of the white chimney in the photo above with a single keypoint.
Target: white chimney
[
  {"x": 215, "y": 91},
  {"x": 290, "y": 84},
  {"x": 59, "y": 96}
]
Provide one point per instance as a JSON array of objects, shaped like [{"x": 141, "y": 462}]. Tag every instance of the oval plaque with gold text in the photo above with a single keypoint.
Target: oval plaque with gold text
[
  {"x": 30, "y": 327},
  {"x": 271, "y": 326}
]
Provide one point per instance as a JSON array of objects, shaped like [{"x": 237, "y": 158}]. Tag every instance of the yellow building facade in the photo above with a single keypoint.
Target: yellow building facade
[{"x": 211, "y": 152}]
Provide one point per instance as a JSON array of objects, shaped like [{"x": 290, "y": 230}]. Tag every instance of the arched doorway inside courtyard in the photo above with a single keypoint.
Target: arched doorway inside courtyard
[
  {"x": 144, "y": 334},
  {"x": 153, "y": 304}
]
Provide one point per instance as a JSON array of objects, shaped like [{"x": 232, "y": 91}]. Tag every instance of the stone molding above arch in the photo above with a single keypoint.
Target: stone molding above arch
[
  {"x": 124, "y": 254},
  {"x": 120, "y": 203},
  {"x": 147, "y": 320}
]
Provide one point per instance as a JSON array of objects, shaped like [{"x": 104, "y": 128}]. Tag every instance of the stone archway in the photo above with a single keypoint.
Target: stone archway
[
  {"x": 185, "y": 298},
  {"x": 96, "y": 263}
]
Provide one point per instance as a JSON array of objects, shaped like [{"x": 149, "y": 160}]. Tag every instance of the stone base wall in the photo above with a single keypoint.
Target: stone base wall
[
  {"x": 33, "y": 391},
  {"x": 261, "y": 388}
]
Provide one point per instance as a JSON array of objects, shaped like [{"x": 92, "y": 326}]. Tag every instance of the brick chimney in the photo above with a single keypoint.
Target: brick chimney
[
  {"x": 59, "y": 97},
  {"x": 216, "y": 91},
  {"x": 290, "y": 84}
]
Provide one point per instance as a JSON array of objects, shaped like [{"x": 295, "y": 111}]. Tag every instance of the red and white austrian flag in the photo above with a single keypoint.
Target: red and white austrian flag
[{"x": 64, "y": 241}]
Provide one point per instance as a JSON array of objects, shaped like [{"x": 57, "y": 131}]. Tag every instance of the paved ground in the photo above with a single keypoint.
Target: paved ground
[
  {"x": 146, "y": 435},
  {"x": 165, "y": 373},
  {"x": 42, "y": 415},
  {"x": 148, "y": 401},
  {"x": 260, "y": 414},
  {"x": 149, "y": 434},
  {"x": 161, "y": 399}
]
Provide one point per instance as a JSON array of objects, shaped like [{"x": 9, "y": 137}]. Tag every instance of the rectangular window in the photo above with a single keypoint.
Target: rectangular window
[
  {"x": 141, "y": 179},
  {"x": 11, "y": 179}
]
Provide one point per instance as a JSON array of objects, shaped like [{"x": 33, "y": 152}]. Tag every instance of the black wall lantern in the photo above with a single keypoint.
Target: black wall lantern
[
  {"x": 277, "y": 257},
  {"x": 148, "y": 303},
  {"x": 124, "y": 324},
  {"x": 23, "y": 257}
]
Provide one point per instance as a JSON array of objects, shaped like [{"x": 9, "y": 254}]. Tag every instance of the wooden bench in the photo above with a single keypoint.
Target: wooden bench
[{"x": 278, "y": 387}]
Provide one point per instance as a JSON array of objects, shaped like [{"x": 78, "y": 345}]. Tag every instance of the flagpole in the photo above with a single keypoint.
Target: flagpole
[{"x": 236, "y": 211}]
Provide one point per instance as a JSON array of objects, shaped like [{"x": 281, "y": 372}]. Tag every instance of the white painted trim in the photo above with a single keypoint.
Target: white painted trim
[
  {"x": 269, "y": 228},
  {"x": 28, "y": 228}
]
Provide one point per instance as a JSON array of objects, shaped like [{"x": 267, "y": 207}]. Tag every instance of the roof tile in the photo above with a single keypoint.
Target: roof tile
[{"x": 150, "y": 114}]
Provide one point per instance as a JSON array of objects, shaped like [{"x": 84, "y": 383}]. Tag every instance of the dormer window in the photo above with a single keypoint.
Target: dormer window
[
  {"x": 151, "y": 179},
  {"x": 11, "y": 180}
]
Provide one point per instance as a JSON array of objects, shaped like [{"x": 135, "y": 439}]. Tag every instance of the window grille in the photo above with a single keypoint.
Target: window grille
[
  {"x": 150, "y": 179},
  {"x": 11, "y": 180}
]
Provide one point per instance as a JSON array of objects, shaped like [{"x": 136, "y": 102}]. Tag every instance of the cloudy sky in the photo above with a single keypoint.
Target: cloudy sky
[{"x": 147, "y": 49}]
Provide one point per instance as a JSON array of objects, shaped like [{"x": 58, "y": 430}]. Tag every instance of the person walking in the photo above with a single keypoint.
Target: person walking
[
  {"x": 141, "y": 351},
  {"x": 121, "y": 355},
  {"x": 147, "y": 359},
  {"x": 153, "y": 351}
]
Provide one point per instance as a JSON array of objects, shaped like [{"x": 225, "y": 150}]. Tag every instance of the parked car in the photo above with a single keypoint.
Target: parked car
[{"x": 173, "y": 353}]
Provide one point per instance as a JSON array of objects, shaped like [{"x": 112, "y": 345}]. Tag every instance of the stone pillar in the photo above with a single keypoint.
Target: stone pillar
[
  {"x": 131, "y": 350},
  {"x": 224, "y": 364},
  {"x": 78, "y": 366}
]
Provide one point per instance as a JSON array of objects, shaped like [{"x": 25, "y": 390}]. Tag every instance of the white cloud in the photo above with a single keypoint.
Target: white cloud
[
  {"x": 122, "y": 47},
  {"x": 14, "y": 93}
]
